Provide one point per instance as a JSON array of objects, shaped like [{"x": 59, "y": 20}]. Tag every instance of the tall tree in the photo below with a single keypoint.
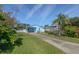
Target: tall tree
[
  {"x": 8, "y": 20},
  {"x": 61, "y": 20},
  {"x": 7, "y": 33}
]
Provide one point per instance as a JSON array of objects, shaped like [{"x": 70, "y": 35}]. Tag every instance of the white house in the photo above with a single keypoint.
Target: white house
[
  {"x": 24, "y": 30},
  {"x": 52, "y": 28}
]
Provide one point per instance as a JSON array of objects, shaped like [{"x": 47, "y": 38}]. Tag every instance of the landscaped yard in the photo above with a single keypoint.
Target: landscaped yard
[
  {"x": 33, "y": 45},
  {"x": 70, "y": 39}
]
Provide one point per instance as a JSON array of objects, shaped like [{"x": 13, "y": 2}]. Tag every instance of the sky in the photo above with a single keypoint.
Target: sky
[{"x": 40, "y": 14}]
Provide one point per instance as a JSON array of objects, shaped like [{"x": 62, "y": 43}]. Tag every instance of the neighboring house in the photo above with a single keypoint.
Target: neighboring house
[
  {"x": 37, "y": 28},
  {"x": 21, "y": 27},
  {"x": 51, "y": 28},
  {"x": 23, "y": 30}
]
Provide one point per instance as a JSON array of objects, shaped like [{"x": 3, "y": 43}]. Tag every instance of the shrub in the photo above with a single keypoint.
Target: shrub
[
  {"x": 7, "y": 33},
  {"x": 70, "y": 31},
  {"x": 18, "y": 42},
  {"x": 7, "y": 37}
]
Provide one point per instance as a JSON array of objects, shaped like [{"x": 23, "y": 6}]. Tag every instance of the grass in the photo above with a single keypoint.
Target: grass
[
  {"x": 65, "y": 38},
  {"x": 33, "y": 45},
  {"x": 50, "y": 35},
  {"x": 70, "y": 39}
]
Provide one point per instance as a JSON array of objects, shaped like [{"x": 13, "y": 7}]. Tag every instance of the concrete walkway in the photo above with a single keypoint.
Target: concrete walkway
[{"x": 67, "y": 47}]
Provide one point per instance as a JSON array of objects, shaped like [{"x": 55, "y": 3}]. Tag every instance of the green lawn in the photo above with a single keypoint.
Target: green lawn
[
  {"x": 33, "y": 45},
  {"x": 70, "y": 39}
]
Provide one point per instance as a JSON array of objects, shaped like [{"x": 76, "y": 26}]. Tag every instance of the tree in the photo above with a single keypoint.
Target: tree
[
  {"x": 62, "y": 20},
  {"x": 8, "y": 20},
  {"x": 75, "y": 21},
  {"x": 7, "y": 33},
  {"x": 7, "y": 37}
]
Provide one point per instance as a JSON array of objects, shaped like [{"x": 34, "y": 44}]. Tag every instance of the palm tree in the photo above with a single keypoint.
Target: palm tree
[{"x": 62, "y": 20}]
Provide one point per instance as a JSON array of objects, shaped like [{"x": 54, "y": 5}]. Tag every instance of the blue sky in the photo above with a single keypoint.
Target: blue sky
[{"x": 40, "y": 14}]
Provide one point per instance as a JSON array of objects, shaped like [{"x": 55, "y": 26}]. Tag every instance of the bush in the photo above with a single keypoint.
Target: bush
[
  {"x": 7, "y": 33},
  {"x": 18, "y": 42},
  {"x": 70, "y": 31},
  {"x": 7, "y": 37}
]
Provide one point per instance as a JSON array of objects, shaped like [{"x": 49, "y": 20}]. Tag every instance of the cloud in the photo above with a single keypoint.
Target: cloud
[
  {"x": 47, "y": 10},
  {"x": 34, "y": 9},
  {"x": 71, "y": 10}
]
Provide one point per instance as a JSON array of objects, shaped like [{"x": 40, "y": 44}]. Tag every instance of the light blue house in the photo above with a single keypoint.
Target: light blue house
[
  {"x": 36, "y": 29},
  {"x": 32, "y": 29}
]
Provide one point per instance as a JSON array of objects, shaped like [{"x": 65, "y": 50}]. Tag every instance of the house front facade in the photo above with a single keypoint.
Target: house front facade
[
  {"x": 51, "y": 28},
  {"x": 36, "y": 29}
]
